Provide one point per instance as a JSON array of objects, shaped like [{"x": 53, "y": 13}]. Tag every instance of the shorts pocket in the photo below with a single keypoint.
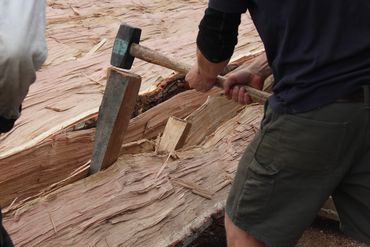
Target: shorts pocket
[
  {"x": 301, "y": 144},
  {"x": 257, "y": 190}
]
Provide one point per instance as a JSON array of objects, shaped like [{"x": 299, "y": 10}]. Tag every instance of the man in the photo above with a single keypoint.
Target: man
[
  {"x": 22, "y": 51},
  {"x": 315, "y": 136}
]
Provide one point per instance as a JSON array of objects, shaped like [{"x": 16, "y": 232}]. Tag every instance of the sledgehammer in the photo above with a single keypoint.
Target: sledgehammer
[{"x": 126, "y": 47}]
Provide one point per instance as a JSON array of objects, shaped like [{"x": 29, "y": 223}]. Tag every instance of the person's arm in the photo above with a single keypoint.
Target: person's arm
[
  {"x": 216, "y": 40},
  {"x": 23, "y": 51}
]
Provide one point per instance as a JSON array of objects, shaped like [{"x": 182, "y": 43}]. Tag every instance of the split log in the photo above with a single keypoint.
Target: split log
[
  {"x": 165, "y": 89},
  {"x": 68, "y": 91},
  {"x": 128, "y": 197},
  {"x": 54, "y": 155},
  {"x": 206, "y": 119},
  {"x": 151, "y": 123},
  {"x": 29, "y": 172},
  {"x": 70, "y": 78}
]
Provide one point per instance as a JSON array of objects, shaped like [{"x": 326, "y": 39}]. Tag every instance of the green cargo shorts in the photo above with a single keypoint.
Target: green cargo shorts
[{"x": 294, "y": 164}]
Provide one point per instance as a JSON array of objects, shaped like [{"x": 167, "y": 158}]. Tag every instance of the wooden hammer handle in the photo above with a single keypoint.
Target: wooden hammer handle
[{"x": 155, "y": 57}]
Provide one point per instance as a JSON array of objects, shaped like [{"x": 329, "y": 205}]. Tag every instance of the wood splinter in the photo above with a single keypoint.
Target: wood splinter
[{"x": 195, "y": 189}]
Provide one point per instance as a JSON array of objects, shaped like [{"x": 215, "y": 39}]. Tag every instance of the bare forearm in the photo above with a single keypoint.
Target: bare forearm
[
  {"x": 216, "y": 40},
  {"x": 208, "y": 69}
]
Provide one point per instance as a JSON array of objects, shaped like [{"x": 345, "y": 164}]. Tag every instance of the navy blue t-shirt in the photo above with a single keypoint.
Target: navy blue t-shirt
[{"x": 319, "y": 50}]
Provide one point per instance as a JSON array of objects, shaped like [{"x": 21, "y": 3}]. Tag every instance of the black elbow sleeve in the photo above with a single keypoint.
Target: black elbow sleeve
[
  {"x": 6, "y": 124},
  {"x": 218, "y": 35}
]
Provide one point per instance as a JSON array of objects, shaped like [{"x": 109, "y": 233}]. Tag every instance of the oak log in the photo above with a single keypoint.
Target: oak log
[
  {"x": 127, "y": 205},
  {"x": 44, "y": 147},
  {"x": 207, "y": 118},
  {"x": 29, "y": 172}
]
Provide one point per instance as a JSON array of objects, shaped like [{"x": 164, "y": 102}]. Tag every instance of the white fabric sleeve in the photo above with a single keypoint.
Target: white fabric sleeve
[{"x": 22, "y": 51}]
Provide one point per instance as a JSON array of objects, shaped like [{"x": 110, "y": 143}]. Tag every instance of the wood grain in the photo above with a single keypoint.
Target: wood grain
[
  {"x": 30, "y": 171},
  {"x": 128, "y": 197},
  {"x": 45, "y": 147}
]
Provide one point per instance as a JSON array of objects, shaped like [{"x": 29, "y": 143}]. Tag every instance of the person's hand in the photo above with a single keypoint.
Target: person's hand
[
  {"x": 198, "y": 81},
  {"x": 235, "y": 81}
]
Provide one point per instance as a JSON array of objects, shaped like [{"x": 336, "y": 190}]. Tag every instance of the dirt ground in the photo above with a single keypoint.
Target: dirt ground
[{"x": 322, "y": 233}]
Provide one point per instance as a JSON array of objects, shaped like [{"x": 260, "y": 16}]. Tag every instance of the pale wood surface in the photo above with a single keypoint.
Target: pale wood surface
[
  {"x": 152, "y": 123},
  {"x": 39, "y": 150},
  {"x": 206, "y": 119},
  {"x": 70, "y": 85},
  {"x": 128, "y": 205},
  {"x": 53, "y": 160},
  {"x": 30, "y": 171}
]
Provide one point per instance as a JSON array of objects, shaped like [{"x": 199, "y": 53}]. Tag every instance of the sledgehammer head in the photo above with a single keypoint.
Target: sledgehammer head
[{"x": 121, "y": 56}]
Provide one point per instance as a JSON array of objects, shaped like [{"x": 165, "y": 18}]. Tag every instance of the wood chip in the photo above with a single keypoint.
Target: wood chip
[{"x": 196, "y": 189}]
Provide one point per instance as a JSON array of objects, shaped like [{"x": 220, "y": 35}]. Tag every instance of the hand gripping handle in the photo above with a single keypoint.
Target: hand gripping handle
[{"x": 155, "y": 57}]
